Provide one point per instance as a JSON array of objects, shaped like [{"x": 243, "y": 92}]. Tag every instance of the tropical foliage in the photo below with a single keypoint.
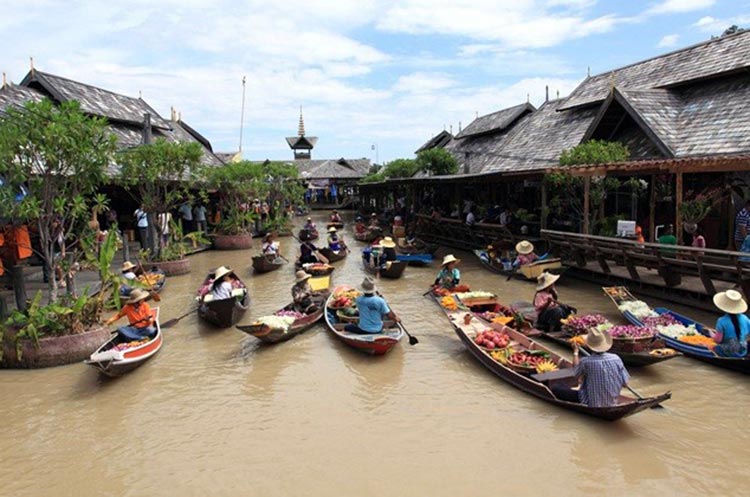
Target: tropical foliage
[{"x": 595, "y": 152}]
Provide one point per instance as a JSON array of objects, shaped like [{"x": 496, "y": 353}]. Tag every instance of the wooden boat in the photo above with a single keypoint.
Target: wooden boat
[
  {"x": 740, "y": 364},
  {"x": 314, "y": 268},
  {"x": 113, "y": 359},
  {"x": 276, "y": 335},
  {"x": 374, "y": 343},
  {"x": 369, "y": 235},
  {"x": 338, "y": 225},
  {"x": 416, "y": 247},
  {"x": 225, "y": 312},
  {"x": 392, "y": 269},
  {"x": 415, "y": 259},
  {"x": 154, "y": 274},
  {"x": 489, "y": 264},
  {"x": 528, "y": 271},
  {"x": 308, "y": 235},
  {"x": 261, "y": 264},
  {"x": 540, "y": 385},
  {"x": 334, "y": 256}
]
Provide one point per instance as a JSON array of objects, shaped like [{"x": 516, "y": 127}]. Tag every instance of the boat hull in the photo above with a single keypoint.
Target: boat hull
[{"x": 261, "y": 264}]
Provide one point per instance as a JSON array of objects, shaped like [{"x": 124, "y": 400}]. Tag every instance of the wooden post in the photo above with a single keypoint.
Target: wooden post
[
  {"x": 544, "y": 205},
  {"x": 125, "y": 247},
  {"x": 652, "y": 210},
  {"x": 677, "y": 205},
  {"x": 3, "y": 308},
  {"x": 19, "y": 286},
  {"x": 586, "y": 192},
  {"x": 70, "y": 279}
]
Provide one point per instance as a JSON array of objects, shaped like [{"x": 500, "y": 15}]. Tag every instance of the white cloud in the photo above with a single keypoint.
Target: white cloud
[
  {"x": 679, "y": 6},
  {"x": 668, "y": 41},
  {"x": 421, "y": 82},
  {"x": 715, "y": 26}
]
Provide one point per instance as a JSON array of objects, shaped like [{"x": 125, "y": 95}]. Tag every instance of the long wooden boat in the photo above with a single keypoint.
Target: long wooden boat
[
  {"x": 540, "y": 385},
  {"x": 308, "y": 235},
  {"x": 369, "y": 235},
  {"x": 261, "y": 264},
  {"x": 314, "y": 268},
  {"x": 334, "y": 256},
  {"x": 415, "y": 259},
  {"x": 740, "y": 364},
  {"x": 154, "y": 274},
  {"x": 526, "y": 272},
  {"x": 338, "y": 225},
  {"x": 492, "y": 266},
  {"x": 268, "y": 334},
  {"x": 225, "y": 312},
  {"x": 416, "y": 247},
  {"x": 371, "y": 343},
  {"x": 115, "y": 358},
  {"x": 392, "y": 271}
]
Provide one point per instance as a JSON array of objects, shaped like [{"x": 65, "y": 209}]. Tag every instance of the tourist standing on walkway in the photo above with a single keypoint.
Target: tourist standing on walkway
[
  {"x": 698, "y": 240},
  {"x": 199, "y": 216},
  {"x": 186, "y": 217},
  {"x": 141, "y": 222},
  {"x": 334, "y": 193},
  {"x": 470, "y": 217},
  {"x": 505, "y": 217},
  {"x": 741, "y": 225}
]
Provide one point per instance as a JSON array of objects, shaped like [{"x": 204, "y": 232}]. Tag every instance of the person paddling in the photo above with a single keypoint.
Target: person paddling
[
  {"x": 449, "y": 276},
  {"x": 372, "y": 308},
  {"x": 140, "y": 316}
]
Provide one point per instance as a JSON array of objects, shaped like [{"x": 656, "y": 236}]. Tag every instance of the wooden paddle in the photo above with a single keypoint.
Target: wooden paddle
[
  {"x": 412, "y": 339},
  {"x": 176, "y": 320}
]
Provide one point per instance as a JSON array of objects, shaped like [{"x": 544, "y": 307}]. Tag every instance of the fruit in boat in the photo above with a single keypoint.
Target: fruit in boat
[{"x": 546, "y": 366}]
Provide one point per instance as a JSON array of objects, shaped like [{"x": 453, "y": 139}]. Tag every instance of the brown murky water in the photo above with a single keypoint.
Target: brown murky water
[{"x": 216, "y": 413}]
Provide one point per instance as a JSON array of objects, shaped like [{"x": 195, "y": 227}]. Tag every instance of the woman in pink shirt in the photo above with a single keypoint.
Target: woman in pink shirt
[
  {"x": 526, "y": 253},
  {"x": 549, "y": 311},
  {"x": 698, "y": 240}
]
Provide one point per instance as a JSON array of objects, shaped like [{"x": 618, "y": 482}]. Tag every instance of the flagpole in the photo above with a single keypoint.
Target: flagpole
[{"x": 242, "y": 115}]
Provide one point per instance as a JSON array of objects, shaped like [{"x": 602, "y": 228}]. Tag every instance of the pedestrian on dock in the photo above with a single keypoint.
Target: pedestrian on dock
[
  {"x": 548, "y": 308},
  {"x": 186, "y": 217},
  {"x": 742, "y": 225},
  {"x": 668, "y": 238},
  {"x": 698, "y": 240},
  {"x": 733, "y": 328},
  {"x": 141, "y": 222}
]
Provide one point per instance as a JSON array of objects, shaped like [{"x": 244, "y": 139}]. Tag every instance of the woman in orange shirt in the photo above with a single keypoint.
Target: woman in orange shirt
[{"x": 140, "y": 316}]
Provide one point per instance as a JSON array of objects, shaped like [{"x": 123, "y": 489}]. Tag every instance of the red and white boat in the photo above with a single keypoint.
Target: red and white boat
[
  {"x": 371, "y": 343},
  {"x": 120, "y": 355}
]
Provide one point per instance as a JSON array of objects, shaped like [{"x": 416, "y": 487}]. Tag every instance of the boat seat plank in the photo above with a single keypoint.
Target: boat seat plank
[{"x": 555, "y": 375}]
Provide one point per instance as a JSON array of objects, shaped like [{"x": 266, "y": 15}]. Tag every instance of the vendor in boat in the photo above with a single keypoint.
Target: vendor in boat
[
  {"x": 128, "y": 270},
  {"x": 309, "y": 225},
  {"x": 222, "y": 286},
  {"x": 600, "y": 376},
  {"x": 449, "y": 276},
  {"x": 372, "y": 308},
  {"x": 549, "y": 310},
  {"x": 526, "y": 253},
  {"x": 140, "y": 316},
  {"x": 335, "y": 243},
  {"x": 335, "y": 218},
  {"x": 733, "y": 328},
  {"x": 309, "y": 254},
  {"x": 389, "y": 250},
  {"x": 270, "y": 247},
  {"x": 359, "y": 226},
  {"x": 374, "y": 223},
  {"x": 303, "y": 294}
]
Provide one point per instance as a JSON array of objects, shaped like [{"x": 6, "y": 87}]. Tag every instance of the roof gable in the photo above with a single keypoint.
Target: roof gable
[
  {"x": 438, "y": 141},
  {"x": 496, "y": 121}
]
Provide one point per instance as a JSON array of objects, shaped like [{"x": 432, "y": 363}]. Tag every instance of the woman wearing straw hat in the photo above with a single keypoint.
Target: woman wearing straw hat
[
  {"x": 389, "y": 250},
  {"x": 140, "y": 316},
  {"x": 127, "y": 270},
  {"x": 549, "y": 311},
  {"x": 335, "y": 243},
  {"x": 222, "y": 287},
  {"x": 302, "y": 293},
  {"x": 372, "y": 308},
  {"x": 270, "y": 247},
  {"x": 449, "y": 276},
  {"x": 733, "y": 328},
  {"x": 600, "y": 376},
  {"x": 526, "y": 253}
]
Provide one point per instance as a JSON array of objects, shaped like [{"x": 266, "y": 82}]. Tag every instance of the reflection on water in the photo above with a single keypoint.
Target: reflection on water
[{"x": 216, "y": 412}]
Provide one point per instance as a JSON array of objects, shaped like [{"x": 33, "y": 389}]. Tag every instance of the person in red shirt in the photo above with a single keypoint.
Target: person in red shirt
[{"x": 140, "y": 316}]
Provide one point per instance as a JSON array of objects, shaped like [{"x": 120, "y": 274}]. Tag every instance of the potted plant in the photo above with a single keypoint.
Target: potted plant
[
  {"x": 694, "y": 210},
  {"x": 160, "y": 176},
  {"x": 237, "y": 183}
]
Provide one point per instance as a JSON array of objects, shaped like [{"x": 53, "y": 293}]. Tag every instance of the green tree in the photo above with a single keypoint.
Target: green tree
[
  {"x": 60, "y": 156},
  {"x": 160, "y": 176},
  {"x": 595, "y": 152},
  {"x": 436, "y": 161}
]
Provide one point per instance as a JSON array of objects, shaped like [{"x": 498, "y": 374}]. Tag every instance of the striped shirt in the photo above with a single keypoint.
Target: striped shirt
[
  {"x": 742, "y": 219},
  {"x": 603, "y": 377}
]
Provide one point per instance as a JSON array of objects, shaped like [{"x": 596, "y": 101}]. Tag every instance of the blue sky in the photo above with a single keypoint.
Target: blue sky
[{"x": 391, "y": 73}]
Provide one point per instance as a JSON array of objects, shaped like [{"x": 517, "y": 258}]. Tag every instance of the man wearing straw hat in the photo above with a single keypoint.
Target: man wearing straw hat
[
  {"x": 372, "y": 308},
  {"x": 600, "y": 376},
  {"x": 140, "y": 316},
  {"x": 449, "y": 276},
  {"x": 733, "y": 328}
]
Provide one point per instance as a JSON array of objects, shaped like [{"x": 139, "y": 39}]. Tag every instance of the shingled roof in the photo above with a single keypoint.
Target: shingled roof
[
  {"x": 333, "y": 168},
  {"x": 496, "y": 121},
  {"x": 16, "y": 96},
  {"x": 93, "y": 100},
  {"x": 720, "y": 56},
  {"x": 440, "y": 140}
]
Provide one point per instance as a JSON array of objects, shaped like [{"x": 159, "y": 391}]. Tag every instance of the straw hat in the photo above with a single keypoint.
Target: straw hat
[
  {"x": 598, "y": 340},
  {"x": 524, "y": 247},
  {"x": 368, "y": 286},
  {"x": 545, "y": 280},
  {"x": 136, "y": 296},
  {"x": 127, "y": 266},
  {"x": 373, "y": 215},
  {"x": 332, "y": 229},
  {"x": 221, "y": 272},
  {"x": 301, "y": 276},
  {"x": 387, "y": 242},
  {"x": 449, "y": 258},
  {"x": 309, "y": 219},
  {"x": 730, "y": 302}
]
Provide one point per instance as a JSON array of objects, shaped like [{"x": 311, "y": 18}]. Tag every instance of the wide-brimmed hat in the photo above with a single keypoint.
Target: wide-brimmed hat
[
  {"x": 221, "y": 272},
  {"x": 301, "y": 276},
  {"x": 136, "y": 296},
  {"x": 545, "y": 280},
  {"x": 127, "y": 266},
  {"x": 373, "y": 215},
  {"x": 309, "y": 219},
  {"x": 332, "y": 229},
  {"x": 598, "y": 340},
  {"x": 524, "y": 247},
  {"x": 368, "y": 286},
  {"x": 387, "y": 242},
  {"x": 448, "y": 259},
  {"x": 730, "y": 302}
]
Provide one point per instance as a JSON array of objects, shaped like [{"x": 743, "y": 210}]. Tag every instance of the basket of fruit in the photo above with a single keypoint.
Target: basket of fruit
[
  {"x": 491, "y": 340},
  {"x": 343, "y": 299},
  {"x": 527, "y": 361},
  {"x": 348, "y": 315}
]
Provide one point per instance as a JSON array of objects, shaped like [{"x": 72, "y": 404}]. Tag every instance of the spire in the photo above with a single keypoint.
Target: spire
[{"x": 301, "y": 129}]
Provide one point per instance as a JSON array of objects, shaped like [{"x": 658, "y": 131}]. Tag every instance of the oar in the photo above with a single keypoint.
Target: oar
[
  {"x": 176, "y": 320},
  {"x": 512, "y": 272},
  {"x": 412, "y": 339}
]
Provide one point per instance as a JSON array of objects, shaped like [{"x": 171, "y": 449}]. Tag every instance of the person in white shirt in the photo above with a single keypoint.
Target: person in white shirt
[
  {"x": 470, "y": 218},
  {"x": 141, "y": 220},
  {"x": 164, "y": 219},
  {"x": 222, "y": 287},
  {"x": 199, "y": 216}
]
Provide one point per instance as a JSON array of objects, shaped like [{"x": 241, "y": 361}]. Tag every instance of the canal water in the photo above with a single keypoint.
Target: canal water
[{"x": 216, "y": 413}]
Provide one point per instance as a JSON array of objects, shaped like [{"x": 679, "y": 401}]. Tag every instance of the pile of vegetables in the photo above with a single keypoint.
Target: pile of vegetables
[
  {"x": 677, "y": 330},
  {"x": 527, "y": 359},
  {"x": 131, "y": 345},
  {"x": 661, "y": 320},
  {"x": 630, "y": 331},
  {"x": 276, "y": 322},
  {"x": 637, "y": 308},
  {"x": 491, "y": 340},
  {"x": 293, "y": 314},
  {"x": 578, "y": 325},
  {"x": 698, "y": 340},
  {"x": 479, "y": 294},
  {"x": 449, "y": 303}
]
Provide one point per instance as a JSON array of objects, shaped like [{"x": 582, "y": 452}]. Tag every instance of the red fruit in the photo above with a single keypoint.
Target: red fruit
[{"x": 489, "y": 344}]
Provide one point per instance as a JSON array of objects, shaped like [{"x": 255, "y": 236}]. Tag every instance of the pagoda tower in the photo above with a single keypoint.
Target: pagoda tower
[{"x": 301, "y": 144}]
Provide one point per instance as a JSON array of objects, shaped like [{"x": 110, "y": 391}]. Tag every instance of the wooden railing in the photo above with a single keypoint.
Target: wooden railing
[
  {"x": 455, "y": 233},
  {"x": 672, "y": 261}
]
